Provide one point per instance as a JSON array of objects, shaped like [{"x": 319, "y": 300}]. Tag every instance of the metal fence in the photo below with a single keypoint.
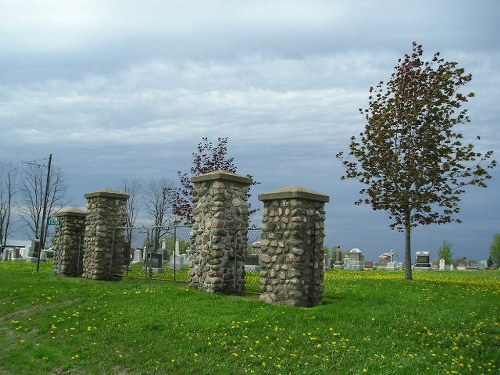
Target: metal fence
[
  {"x": 163, "y": 253},
  {"x": 157, "y": 252},
  {"x": 252, "y": 270}
]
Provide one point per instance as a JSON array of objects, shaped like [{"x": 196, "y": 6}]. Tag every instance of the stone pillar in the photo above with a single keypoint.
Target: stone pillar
[
  {"x": 291, "y": 261},
  {"x": 68, "y": 257},
  {"x": 220, "y": 232},
  {"x": 104, "y": 244}
]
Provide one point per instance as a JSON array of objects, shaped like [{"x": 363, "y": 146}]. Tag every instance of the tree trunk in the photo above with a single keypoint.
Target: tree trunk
[{"x": 408, "y": 269}]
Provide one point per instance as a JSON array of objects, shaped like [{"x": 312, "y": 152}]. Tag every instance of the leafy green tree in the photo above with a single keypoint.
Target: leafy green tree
[
  {"x": 445, "y": 252},
  {"x": 495, "y": 249},
  {"x": 170, "y": 243},
  {"x": 412, "y": 161}
]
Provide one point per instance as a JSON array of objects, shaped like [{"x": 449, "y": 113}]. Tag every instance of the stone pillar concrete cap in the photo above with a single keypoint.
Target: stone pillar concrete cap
[
  {"x": 108, "y": 193},
  {"x": 222, "y": 175},
  {"x": 291, "y": 192},
  {"x": 70, "y": 212}
]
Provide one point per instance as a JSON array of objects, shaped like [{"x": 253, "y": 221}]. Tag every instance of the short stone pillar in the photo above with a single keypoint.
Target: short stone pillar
[
  {"x": 68, "y": 257},
  {"x": 104, "y": 243},
  {"x": 291, "y": 260},
  {"x": 220, "y": 232}
]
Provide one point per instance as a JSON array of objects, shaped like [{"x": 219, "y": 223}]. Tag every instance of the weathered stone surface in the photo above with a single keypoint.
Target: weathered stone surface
[
  {"x": 68, "y": 257},
  {"x": 104, "y": 243},
  {"x": 220, "y": 238},
  {"x": 291, "y": 247}
]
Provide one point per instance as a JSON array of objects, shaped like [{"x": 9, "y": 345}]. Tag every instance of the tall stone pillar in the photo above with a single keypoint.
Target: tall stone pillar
[
  {"x": 68, "y": 258},
  {"x": 104, "y": 243},
  {"x": 220, "y": 232},
  {"x": 291, "y": 260}
]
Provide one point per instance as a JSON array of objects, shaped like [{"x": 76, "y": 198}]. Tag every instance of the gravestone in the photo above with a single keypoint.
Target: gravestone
[
  {"x": 339, "y": 263},
  {"x": 383, "y": 260},
  {"x": 326, "y": 262},
  {"x": 154, "y": 263},
  {"x": 137, "y": 257},
  {"x": 442, "y": 264},
  {"x": 386, "y": 261},
  {"x": 472, "y": 266},
  {"x": 355, "y": 260},
  {"x": 177, "y": 260},
  {"x": 392, "y": 266},
  {"x": 423, "y": 261}
]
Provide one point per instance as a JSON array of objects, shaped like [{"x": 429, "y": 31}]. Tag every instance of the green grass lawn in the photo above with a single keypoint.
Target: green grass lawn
[{"x": 371, "y": 323}]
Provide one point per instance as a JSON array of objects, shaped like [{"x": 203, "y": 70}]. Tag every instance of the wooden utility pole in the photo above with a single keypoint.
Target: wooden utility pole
[{"x": 44, "y": 215}]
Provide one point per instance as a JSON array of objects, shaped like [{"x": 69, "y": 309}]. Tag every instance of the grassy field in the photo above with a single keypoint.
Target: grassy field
[{"x": 371, "y": 323}]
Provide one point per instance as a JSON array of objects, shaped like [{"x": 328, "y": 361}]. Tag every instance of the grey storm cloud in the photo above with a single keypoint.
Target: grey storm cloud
[{"x": 121, "y": 89}]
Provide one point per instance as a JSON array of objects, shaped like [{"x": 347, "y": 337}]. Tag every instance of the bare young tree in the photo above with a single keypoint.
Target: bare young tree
[
  {"x": 8, "y": 187},
  {"x": 32, "y": 190},
  {"x": 158, "y": 202},
  {"x": 134, "y": 189}
]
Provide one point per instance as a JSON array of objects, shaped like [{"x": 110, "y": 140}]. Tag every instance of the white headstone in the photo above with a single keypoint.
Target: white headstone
[
  {"x": 441, "y": 264},
  {"x": 326, "y": 261},
  {"x": 177, "y": 246},
  {"x": 137, "y": 256}
]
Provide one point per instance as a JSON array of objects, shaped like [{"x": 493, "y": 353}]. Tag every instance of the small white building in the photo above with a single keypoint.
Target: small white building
[{"x": 17, "y": 250}]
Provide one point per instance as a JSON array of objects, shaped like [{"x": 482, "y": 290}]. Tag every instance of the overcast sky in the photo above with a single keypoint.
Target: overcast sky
[{"x": 126, "y": 89}]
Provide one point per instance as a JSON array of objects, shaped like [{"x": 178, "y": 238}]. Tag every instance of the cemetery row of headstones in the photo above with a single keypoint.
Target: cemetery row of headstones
[
  {"x": 154, "y": 261},
  {"x": 354, "y": 260}
]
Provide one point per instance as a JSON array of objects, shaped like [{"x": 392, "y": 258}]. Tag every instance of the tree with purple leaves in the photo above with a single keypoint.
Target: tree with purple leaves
[
  {"x": 412, "y": 161},
  {"x": 207, "y": 158}
]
